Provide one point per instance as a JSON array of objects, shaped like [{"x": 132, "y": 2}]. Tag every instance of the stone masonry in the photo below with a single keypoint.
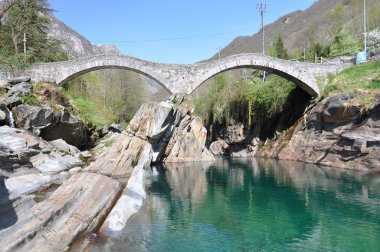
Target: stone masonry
[{"x": 184, "y": 78}]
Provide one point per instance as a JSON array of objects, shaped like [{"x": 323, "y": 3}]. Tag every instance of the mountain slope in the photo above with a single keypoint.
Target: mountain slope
[
  {"x": 74, "y": 44},
  {"x": 318, "y": 23}
]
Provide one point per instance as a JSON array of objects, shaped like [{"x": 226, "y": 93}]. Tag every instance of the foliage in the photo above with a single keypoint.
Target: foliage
[
  {"x": 27, "y": 18},
  {"x": 278, "y": 49},
  {"x": 107, "y": 96},
  {"x": 30, "y": 99},
  {"x": 263, "y": 100},
  {"x": 362, "y": 80},
  {"x": 344, "y": 43}
]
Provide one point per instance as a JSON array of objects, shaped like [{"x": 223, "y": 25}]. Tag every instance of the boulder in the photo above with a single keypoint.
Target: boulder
[
  {"x": 20, "y": 89},
  {"x": 115, "y": 128},
  {"x": 340, "y": 109},
  {"x": 219, "y": 147},
  {"x": 18, "y": 80},
  {"x": 34, "y": 118},
  {"x": 67, "y": 127},
  {"x": 64, "y": 147}
]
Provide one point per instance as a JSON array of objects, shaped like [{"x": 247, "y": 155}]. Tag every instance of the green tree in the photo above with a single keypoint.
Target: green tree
[
  {"x": 344, "y": 43},
  {"x": 272, "y": 51},
  {"x": 282, "y": 53},
  {"x": 28, "y": 18},
  {"x": 296, "y": 54}
]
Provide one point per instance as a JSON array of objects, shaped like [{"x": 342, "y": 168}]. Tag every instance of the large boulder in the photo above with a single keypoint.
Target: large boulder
[
  {"x": 50, "y": 124},
  {"x": 34, "y": 118},
  {"x": 340, "y": 109}
]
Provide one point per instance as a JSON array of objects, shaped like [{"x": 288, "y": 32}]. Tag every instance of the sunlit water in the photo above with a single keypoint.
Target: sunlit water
[{"x": 255, "y": 205}]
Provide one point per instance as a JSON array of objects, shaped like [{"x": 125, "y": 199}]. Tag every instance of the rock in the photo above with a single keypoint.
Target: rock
[
  {"x": 128, "y": 204},
  {"x": 17, "y": 80},
  {"x": 336, "y": 135},
  {"x": 20, "y": 89},
  {"x": 3, "y": 115},
  {"x": 85, "y": 155},
  {"x": 188, "y": 143},
  {"x": 340, "y": 109},
  {"x": 16, "y": 148},
  {"x": 115, "y": 128},
  {"x": 75, "y": 170},
  {"x": 67, "y": 127},
  {"x": 12, "y": 101},
  {"x": 34, "y": 118},
  {"x": 74, "y": 208},
  {"x": 64, "y": 147},
  {"x": 54, "y": 163},
  {"x": 219, "y": 147},
  {"x": 29, "y": 183}
]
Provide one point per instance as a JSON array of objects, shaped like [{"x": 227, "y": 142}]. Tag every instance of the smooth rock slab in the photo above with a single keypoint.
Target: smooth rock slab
[
  {"x": 74, "y": 208},
  {"x": 26, "y": 184}
]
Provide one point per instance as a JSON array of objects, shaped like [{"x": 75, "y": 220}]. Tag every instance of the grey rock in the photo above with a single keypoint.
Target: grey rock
[
  {"x": 64, "y": 147},
  {"x": 85, "y": 155},
  {"x": 340, "y": 109},
  {"x": 29, "y": 183},
  {"x": 20, "y": 89},
  {"x": 34, "y": 118},
  {"x": 115, "y": 128},
  {"x": 219, "y": 147},
  {"x": 68, "y": 127},
  {"x": 54, "y": 163},
  {"x": 18, "y": 80}
]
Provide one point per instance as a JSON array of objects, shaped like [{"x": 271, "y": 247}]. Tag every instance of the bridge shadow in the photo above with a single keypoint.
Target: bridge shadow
[{"x": 8, "y": 215}]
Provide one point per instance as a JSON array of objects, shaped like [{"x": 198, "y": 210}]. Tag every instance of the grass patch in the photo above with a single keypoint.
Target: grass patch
[
  {"x": 89, "y": 110},
  {"x": 30, "y": 99},
  {"x": 362, "y": 80}
]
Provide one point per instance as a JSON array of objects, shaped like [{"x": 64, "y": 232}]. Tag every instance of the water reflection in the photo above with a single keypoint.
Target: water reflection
[{"x": 255, "y": 204}]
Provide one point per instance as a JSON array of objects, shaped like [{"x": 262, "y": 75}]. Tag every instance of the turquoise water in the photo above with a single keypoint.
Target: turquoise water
[{"x": 255, "y": 205}]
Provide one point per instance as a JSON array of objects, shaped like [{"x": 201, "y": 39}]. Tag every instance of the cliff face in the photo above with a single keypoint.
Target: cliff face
[
  {"x": 334, "y": 133},
  {"x": 74, "y": 44}
]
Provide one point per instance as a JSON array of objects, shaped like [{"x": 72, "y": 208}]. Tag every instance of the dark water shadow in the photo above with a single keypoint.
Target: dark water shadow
[{"x": 8, "y": 216}]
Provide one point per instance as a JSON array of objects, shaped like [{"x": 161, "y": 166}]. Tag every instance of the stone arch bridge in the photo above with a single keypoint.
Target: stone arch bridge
[{"x": 182, "y": 78}]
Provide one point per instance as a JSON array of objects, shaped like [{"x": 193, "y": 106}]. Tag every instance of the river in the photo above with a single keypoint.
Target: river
[{"x": 254, "y": 205}]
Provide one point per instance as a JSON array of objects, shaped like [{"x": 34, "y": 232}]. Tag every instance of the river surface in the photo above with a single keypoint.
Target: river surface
[{"x": 255, "y": 205}]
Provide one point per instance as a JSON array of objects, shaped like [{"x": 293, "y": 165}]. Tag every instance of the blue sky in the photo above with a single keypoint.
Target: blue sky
[{"x": 169, "y": 31}]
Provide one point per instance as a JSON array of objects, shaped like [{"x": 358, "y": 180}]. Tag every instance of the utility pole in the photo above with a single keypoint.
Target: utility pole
[
  {"x": 219, "y": 49},
  {"x": 262, "y": 8},
  {"x": 365, "y": 28},
  {"x": 24, "y": 40}
]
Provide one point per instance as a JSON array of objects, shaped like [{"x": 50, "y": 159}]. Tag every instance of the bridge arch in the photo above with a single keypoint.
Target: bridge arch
[
  {"x": 295, "y": 72},
  {"x": 61, "y": 82}
]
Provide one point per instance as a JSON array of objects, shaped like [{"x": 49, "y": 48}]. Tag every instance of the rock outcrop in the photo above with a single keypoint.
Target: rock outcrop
[
  {"x": 102, "y": 196},
  {"x": 334, "y": 133},
  {"x": 157, "y": 133}
]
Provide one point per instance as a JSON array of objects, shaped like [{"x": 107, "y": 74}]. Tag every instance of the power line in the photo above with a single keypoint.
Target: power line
[{"x": 249, "y": 23}]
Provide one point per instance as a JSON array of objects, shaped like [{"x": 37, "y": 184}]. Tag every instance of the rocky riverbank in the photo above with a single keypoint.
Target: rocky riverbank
[
  {"x": 335, "y": 132},
  {"x": 100, "y": 197}
]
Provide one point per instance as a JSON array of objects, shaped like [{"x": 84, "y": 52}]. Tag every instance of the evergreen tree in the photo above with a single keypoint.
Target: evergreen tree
[
  {"x": 28, "y": 18},
  {"x": 282, "y": 53}
]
